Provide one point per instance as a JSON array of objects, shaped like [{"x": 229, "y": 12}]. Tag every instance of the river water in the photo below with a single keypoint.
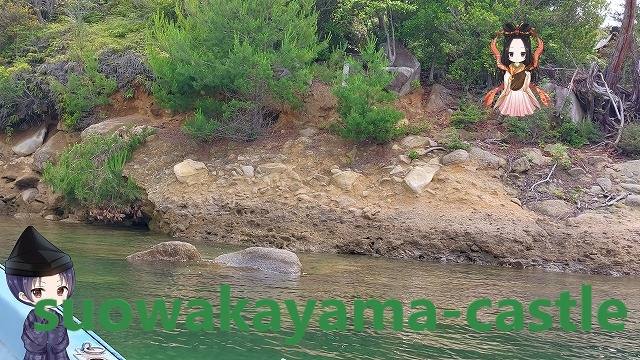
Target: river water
[{"x": 103, "y": 273}]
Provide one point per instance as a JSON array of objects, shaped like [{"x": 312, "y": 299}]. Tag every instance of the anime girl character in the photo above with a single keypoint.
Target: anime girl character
[
  {"x": 516, "y": 60},
  {"x": 37, "y": 270}
]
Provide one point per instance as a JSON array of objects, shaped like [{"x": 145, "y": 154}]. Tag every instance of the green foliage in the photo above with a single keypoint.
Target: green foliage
[
  {"x": 253, "y": 55},
  {"x": 467, "y": 115},
  {"x": 578, "y": 135},
  {"x": 358, "y": 20},
  {"x": 532, "y": 129},
  {"x": 414, "y": 155},
  {"x": 11, "y": 91},
  {"x": 560, "y": 154},
  {"x": 89, "y": 174},
  {"x": 453, "y": 141},
  {"x": 454, "y": 35},
  {"x": 363, "y": 115},
  {"x": 16, "y": 21},
  {"x": 630, "y": 140},
  {"x": 82, "y": 93}
]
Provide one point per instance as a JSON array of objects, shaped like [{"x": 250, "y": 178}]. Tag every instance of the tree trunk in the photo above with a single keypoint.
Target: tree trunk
[
  {"x": 635, "y": 99},
  {"x": 625, "y": 43}
]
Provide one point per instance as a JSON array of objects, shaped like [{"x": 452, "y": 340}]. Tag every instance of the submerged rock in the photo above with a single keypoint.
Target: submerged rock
[
  {"x": 262, "y": 258},
  {"x": 168, "y": 251}
]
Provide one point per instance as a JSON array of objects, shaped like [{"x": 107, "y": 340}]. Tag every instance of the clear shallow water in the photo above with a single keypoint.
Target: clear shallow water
[{"x": 102, "y": 273}]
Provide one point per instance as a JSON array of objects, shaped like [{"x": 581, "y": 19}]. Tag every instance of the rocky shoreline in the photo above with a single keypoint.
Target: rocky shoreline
[{"x": 304, "y": 189}]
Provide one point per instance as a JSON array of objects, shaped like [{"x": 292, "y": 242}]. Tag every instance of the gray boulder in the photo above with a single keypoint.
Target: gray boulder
[
  {"x": 405, "y": 65},
  {"x": 28, "y": 142},
  {"x": 110, "y": 126},
  {"x": 440, "y": 99},
  {"x": 51, "y": 149},
  {"x": 168, "y": 251},
  {"x": 262, "y": 258}
]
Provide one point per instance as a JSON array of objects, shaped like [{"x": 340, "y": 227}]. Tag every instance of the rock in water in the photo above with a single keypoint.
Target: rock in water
[
  {"x": 262, "y": 258},
  {"x": 168, "y": 251}
]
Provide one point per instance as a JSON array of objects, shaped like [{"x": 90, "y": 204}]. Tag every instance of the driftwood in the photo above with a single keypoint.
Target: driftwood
[
  {"x": 545, "y": 179},
  {"x": 614, "y": 201}
]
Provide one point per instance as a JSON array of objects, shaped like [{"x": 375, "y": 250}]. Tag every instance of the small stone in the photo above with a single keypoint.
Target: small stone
[
  {"x": 414, "y": 141},
  {"x": 405, "y": 159},
  {"x": 576, "y": 172},
  {"x": 633, "y": 201},
  {"x": 248, "y": 170},
  {"x": 521, "y": 165},
  {"x": 516, "y": 201},
  {"x": 29, "y": 195},
  {"x": 420, "y": 177},
  {"x": 634, "y": 188},
  {"x": 398, "y": 169},
  {"x": 271, "y": 168},
  {"x": 396, "y": 147},
  {"x": 487, "y": 159},
  {"x": 345, "y": 179},
  {"x": 52, "y": 217},
  {"x": 190, "y": 172},
  {"x": 535, "y": 157},
  {"x": 595, "y": 189},
  {"x": 604, "y": 183},
  {"x": 455, "y": 156},
  {"x": 366, "y": 193},
  {"x": 336, "y": 171}
]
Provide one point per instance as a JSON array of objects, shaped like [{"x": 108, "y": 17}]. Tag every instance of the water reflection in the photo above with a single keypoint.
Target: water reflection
[{"x": 99, "y": 252}]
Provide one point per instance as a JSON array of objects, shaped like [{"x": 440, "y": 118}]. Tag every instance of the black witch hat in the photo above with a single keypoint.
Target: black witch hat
[{"x": 35, "y": 256}]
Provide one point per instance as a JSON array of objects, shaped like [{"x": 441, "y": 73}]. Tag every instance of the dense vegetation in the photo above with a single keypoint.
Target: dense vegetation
[
  {"x": 89, "y": 175},
  {"x": 233, "y": 64}
]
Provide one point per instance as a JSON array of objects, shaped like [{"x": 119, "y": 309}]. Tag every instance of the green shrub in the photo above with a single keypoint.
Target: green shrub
[
  {"x": 467, "y": 115},
  {"x": 630, "y": 140},
  {"x": 82, "y": 92},
  {"x": 25, "y": 96},
  {"x": 560, "y": 154},
  {"x": 453, "y": 140},
  {"x": 254, "y": 56},
  {"x": 534, "y": 128},
  {"x": 578, "y": 135},
  {"x": 89, "y": 174},
  {"x": 361, "y": 99},
  {"x": 11, "y": 91}
]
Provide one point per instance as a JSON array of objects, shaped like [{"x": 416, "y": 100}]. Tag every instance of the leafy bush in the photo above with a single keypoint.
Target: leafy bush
[
  {"x": 560, "y": 154},
  {"x": 534, "y": 128},
  {"x": 360, "y": 100},
  {"x": 89, "y": 174},
  {"x": 453, "y": 140},
  {"x": 467, "y": 115},
  {"x": 82, "y": 92},
  {"x": 25, "y": 96},
  {"x": 578, "y": 135},
  {"x": 253, "y": 55},
  {"x": 630, "y": 140}
]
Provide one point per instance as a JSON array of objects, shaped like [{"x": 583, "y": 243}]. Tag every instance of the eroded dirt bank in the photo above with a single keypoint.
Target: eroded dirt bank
[{"x": 304, "y": 189}]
